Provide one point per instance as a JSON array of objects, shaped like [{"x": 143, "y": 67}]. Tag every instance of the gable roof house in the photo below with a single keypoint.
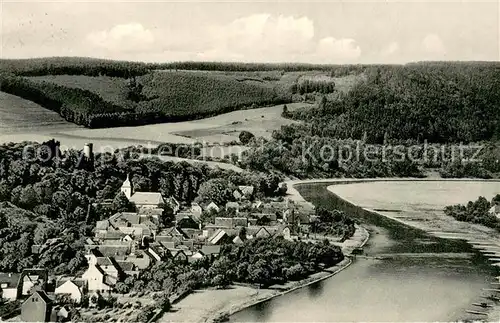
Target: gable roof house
[
  {"x": 142, "y": 199},
  {"x": 8, "y": 285},
  {"x": 37, "y": 308},
  {"x": 72, "y": 287},
  {"x": 31, "y": 279},
  {"x": 247, "y": 191},
  {"x": 196, "y": 211}
]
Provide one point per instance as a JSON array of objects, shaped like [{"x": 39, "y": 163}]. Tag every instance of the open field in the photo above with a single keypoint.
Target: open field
[
  {"x": 19, "y": 115},
  {"x": 224, "y": 127}
]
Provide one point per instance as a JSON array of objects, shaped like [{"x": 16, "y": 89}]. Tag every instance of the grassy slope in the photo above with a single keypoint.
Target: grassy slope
[{"x": 20, "y": 115}]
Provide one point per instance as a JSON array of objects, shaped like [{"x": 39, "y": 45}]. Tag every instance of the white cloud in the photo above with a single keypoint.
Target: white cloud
[
  {"x": 123, "y": 38},
  {"x": 264, "y": 37},
  {"x": 334, "y": 50},
  {"x": 390, "y": 49},
  {"x": 433, "y": 45}
]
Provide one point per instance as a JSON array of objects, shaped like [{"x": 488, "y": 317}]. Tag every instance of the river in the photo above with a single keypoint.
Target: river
[{"x": 426, "y": 279}]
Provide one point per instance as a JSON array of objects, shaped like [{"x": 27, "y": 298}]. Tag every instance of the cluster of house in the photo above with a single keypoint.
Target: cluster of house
[
  {"x": 128, "y": 242},
  {"x": 37, "y": 292}
]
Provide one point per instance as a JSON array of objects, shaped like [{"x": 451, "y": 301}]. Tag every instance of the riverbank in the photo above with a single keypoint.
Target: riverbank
[{"x": 210, "y": 305}]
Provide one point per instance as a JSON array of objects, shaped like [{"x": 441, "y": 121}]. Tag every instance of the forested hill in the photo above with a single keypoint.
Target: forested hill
[
  {"x": 434, "y": 101},
  {"x": 437, "y": 102}
]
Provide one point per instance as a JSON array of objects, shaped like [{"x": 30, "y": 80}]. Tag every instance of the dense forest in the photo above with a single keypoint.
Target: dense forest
[{"x": 440, "y": 103}]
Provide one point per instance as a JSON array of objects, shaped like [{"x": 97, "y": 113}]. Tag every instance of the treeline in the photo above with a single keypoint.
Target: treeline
[
  {"x": 258, "y": 261},
  {"x": 440, "y": 103},
  {"x": 333, "y": 223},
  {"x": 476, "y": 212},
  {"x": 311, "y": 86},
  {"x": 73, "y": 66},
  {"x": 125, "y": 69},
  {"x": 297, "y": 151}
]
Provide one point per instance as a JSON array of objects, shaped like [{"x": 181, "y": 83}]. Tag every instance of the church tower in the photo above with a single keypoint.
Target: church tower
[{"x": 127, "y": 188}]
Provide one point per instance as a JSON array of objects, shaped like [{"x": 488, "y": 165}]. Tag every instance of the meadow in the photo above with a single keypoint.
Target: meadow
[{"x": 19, "y": 115}]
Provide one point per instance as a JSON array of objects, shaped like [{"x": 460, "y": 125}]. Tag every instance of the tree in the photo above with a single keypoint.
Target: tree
[
  {"x": 284, "y": 114},
  {"x": 122, "y": 288},
  {"x": 168, "y": 216},
  {"x": 121, "y": 203},
  {"x": 220, "y": 281},
  {"x": 246, "y": 136},
  {"x": 214, "y": 190}
]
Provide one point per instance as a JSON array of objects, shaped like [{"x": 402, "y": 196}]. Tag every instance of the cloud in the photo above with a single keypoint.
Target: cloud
[
  {"x": 264, "y": 37},
  {"x": 334, "y": 50},
  {"x": 433, "y": 45},
  {"x": 390, "y": 49},
  {"x": 123, "y": 38}
]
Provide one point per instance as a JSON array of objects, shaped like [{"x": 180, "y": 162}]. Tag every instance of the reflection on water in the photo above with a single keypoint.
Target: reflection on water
[{"x": 405, "y": 288}]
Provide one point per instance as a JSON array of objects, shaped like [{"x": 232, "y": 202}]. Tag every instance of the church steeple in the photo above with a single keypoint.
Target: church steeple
[{"x": 127, "y": 188}]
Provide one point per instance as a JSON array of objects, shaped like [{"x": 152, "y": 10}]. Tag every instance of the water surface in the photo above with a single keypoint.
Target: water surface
[{"x": 436, "y": 282}]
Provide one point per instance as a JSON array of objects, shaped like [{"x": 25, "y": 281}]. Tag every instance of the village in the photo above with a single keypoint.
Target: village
[{"x": 130, "y": 242}]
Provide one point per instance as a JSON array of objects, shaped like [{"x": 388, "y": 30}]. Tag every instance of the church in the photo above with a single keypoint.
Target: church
[{"x": 148, "y": 200}]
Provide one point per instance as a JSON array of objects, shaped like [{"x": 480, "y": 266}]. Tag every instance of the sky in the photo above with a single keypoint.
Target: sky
[{"x": 325, "y": 32}]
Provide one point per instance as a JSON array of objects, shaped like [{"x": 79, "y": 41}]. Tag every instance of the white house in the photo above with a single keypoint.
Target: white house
[
  {"x": 8, "y": 286},
  {"x": 96, "y": 279},
  {"x": 74, "y": 289},
  {"x": 151, "y": 200}
]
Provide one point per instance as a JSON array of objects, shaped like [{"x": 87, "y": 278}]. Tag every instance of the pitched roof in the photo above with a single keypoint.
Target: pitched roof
[
  {"x": 104, "y": 261},
  {"x": 210, "y": 250},
  {"x": 110, "y": 235},
  {"x": 217, "y": 236},
  {"x": 125, "y": 266},
  {"x": 141, "y": 198},
  {"x": 246, "y": 190},
  {"x": 114, "y": 250},
  {"x": 126, "y": 183},
  {"x": 102, "y": 225},
  {"x": 42, "y": 295},
  {"x": 11, "y": 279},
  {"x": 211, "y": 205}
]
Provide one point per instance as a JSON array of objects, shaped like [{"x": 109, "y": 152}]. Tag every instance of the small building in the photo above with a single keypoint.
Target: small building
[
  {"x": 233, "y": 206},
  {"x": 247, "y": 191},
  {"x": 30, "y": 280},
  {"x": 37, "y": 308},
  {"x": 212, "y": 207},
  {"x": 74, "y": 288},
  {"x": 196, "y": 211},
  {"x": 8, "y": 285},
  {"x": 181, "y": 256},
  {"x": 237, "y": 195},
  {"x": 173, "y": 203}
]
